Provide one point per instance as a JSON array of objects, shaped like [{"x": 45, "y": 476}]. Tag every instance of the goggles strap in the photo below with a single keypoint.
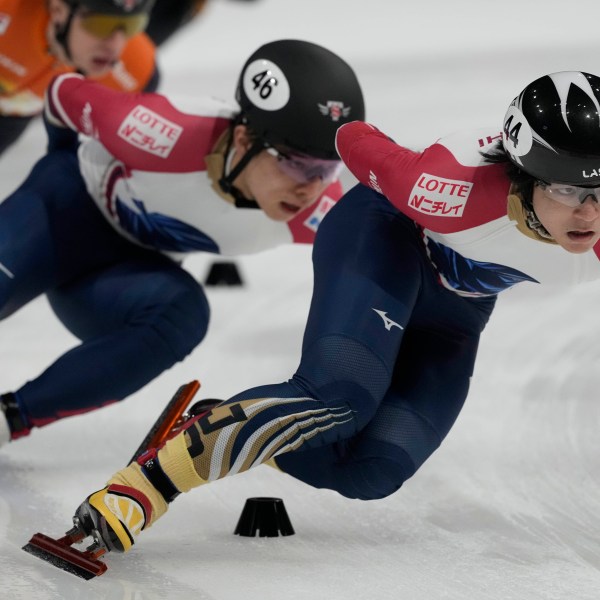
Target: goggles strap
[{"x": 61, "y": 32}]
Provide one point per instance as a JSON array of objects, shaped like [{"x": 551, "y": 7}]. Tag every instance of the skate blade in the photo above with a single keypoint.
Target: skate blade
[
  {"x": 84, "y": 564},
  {"x": 169, "y": 419}
]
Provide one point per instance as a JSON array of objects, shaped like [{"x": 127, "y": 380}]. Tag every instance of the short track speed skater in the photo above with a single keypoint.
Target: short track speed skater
[{"x": 86, "y": 522}]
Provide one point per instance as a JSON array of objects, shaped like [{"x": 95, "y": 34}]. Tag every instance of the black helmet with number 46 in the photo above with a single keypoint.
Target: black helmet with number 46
[
  {"x": 552, "y": 129},
  {"x": 296, "y": 94}
]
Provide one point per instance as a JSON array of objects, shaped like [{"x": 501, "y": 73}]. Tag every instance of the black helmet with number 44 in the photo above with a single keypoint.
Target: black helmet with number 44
[
  {"x": 552, "y": 129},
  {"x": 296, "y": 94}
]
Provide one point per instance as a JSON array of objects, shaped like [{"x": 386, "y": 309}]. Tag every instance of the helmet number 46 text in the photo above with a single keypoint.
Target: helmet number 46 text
[
  {"x": 264, "y": 82},
  {"x": 266, "y": 85}
]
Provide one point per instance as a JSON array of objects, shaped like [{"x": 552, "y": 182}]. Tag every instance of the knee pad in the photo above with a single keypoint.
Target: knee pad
[
  {"x": 169, "y": 314},
  {"x": 377, "y": 477},
  {"x": 183, "y": 323}
]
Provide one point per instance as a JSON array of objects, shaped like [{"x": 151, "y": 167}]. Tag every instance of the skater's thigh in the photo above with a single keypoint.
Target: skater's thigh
[
  {"x": 26, "y": 264},
  {"x": 50, "y": 231},
  {"x": 368, "y": 269},
  {"x": 429, "y": 388},
  {"x": 136, "y": 291},
  {"x": 27, "y": 248}
]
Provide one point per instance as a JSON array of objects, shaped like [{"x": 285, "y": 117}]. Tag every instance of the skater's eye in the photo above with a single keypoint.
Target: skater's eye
[{"x": 303, "y": 168}]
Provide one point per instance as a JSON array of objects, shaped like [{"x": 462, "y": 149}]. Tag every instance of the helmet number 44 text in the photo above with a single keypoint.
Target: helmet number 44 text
[{"x": 512, "y": 131}]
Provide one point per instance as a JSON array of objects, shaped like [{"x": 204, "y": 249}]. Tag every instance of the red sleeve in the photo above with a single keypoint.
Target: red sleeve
[
  {"x": 305, "y": 224},
  {"x": 432, "y": 187},
  {"x": 142, "y": 130},
  {"x": 356, "y": 141}
]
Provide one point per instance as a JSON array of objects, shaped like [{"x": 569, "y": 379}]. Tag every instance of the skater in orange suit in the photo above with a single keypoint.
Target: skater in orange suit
[{"x": 101, "y": 39}]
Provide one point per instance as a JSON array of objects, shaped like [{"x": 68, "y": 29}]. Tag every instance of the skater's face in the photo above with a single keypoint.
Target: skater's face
[
  {"x": 281, "y": 186},
  {"x": 574, "y": 227},
  {"x": 95, "y": 41}
]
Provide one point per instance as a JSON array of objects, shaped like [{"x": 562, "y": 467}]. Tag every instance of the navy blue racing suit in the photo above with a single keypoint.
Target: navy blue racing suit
[
  {"x": 405, "y": 349},
  {"x": 407, "y": 269},
  {"x": 386, "y": 361}
]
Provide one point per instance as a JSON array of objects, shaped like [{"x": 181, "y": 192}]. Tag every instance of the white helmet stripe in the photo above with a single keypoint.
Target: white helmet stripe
[{"x": 563, "y": 81}]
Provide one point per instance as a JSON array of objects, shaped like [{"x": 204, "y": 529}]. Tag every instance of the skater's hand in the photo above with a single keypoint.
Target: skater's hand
[
  {"x": 60, "y": 137},
  {"x": 51, "y": 112}
]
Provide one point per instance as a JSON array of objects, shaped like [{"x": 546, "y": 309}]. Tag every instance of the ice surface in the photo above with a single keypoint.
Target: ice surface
[{"x": 506, "y": 509}]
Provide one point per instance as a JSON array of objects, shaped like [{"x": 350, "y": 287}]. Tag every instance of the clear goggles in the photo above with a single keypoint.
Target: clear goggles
[
  {"x": 103, "y": 25},
  {"x": 569, "y": 195},
  {"x": 303, "y": 168}
]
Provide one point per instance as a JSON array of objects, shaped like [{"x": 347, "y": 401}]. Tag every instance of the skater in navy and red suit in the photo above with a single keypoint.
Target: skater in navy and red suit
[
  {"x": 407, "y": 268},
  {"x": 102, "y": 229}
]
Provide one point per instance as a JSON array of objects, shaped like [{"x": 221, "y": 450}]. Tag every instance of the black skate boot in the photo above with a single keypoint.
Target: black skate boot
[
  {"x": 14, "y": 426},
  {"x": 113, "y": 516}
]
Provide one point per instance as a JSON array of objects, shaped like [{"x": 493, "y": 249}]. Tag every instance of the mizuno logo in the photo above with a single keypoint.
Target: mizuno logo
[{"x": 387, "y": 321}]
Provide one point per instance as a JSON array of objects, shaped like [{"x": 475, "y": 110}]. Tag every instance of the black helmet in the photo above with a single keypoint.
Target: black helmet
[
  {"x": 115, "y": 7},
  {"x": 136, "y": 13},
  {"x": 296, "y": 94},
  {"x": 552, "y": 129}
]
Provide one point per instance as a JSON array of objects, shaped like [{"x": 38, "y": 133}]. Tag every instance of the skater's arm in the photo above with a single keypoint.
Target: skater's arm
[
  {"x": 446, "y": 188},
  {"x": 143, "y": 131}
]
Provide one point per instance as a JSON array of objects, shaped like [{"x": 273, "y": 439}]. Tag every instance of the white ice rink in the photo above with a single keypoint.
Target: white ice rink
[{"x": 508, "y": 508}]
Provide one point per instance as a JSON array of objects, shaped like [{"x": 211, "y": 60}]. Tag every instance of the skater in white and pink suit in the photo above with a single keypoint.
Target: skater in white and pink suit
[
  {"x": 103, "y": 226},
  {"x": 407, "y": 268}
]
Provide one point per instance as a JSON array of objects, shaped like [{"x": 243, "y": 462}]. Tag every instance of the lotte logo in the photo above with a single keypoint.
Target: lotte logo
[{"x": 439, "y": 196}]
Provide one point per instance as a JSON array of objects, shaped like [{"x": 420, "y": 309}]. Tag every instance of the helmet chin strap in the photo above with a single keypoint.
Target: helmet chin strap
[
  {"x": 226, "y": 181},
  {"x": 61, "y": 32},
  {"x": 535, "y": 224}
]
